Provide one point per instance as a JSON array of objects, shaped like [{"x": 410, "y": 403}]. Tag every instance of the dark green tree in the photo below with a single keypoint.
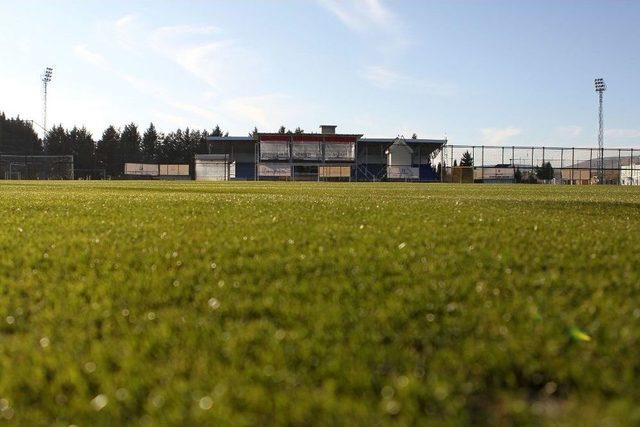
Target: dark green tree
[
  {"x": 298, "y": 130},
  {"x": 217, "y": 131},
  {"x": 414, "y": 136},
  {"x": 58, "y": 142},
  {"x": 517, "y": 175},
  {"x": 18, "y": 137},
  {"x": 149, "y": 145},
  {"x": 282, "y": 129},
  {"x": 466, "y": 159},
  {"x": 254, "y": 134},
  {"x": 130, "y": 144},
  {"x": 108, "y": 153},
  {"x": 83, "y": 149},
  {"x": 545, "y": 172}
]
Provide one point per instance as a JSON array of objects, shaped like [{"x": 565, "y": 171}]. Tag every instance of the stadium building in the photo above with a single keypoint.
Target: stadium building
[{"x": 318, "y": 156}]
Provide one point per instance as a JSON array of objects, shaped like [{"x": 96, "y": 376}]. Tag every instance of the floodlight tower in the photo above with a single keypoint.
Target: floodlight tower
[
  {"x": 46, "y": 78},
  {"x": 601, "y": 86}
]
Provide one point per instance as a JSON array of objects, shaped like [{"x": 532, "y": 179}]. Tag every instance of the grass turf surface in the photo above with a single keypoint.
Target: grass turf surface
[{"x": 330, "y": 304}]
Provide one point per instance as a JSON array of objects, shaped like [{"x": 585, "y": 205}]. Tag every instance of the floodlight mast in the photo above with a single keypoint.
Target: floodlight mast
[
  {"x": 46, "y": 78},
  {"x": 601, "y": 87}
]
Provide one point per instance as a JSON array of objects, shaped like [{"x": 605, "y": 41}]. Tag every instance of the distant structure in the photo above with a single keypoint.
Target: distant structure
[
  {"x": 323, "y": 156},
  {"x": 46, "y": 79},
  {"x": 600, "y": 88}
]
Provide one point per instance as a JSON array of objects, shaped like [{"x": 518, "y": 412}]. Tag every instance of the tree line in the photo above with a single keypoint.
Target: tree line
[{"x": 109, "y": 153}]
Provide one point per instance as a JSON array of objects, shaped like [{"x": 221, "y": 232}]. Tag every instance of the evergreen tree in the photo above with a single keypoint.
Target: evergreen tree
[
  {"x": 83, "y": 148},
  {"x": 545, "y": 172},
  {"x": 18, "y": 137},
  {"x": 58, "y": 142},
  {"x": 130, "y": 144},
  {"x": 202, "y": 144},
  {"x": 466, "y": 159},
  {"x": 108, "y": 153},
  {"x": 517, "y": 175},
  {"x": 414, "y": 136},
  {"x": 149, "y": 146},
  {"x": 255, "y": 132},
  {"x": 298, "y": 130},
  {"x": 217, "y": 131},
  {"x": 282, "y": 129}
]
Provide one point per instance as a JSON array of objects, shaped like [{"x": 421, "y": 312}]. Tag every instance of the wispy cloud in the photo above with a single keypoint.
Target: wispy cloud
[
  {"x": 499, "y": 136},
  {"x": 142, "y": 85},
  {"x": 123, "y": 29},
  {"x": 94, "y": 58},
  {"x": 124, "y": 21},
  {"x": 568, "y": 132},
  {"x": 622, "y": 133},
  {"x": 204, "y": 52},
  {"x": 381, "y": 77},
  {"x": 176, "y": 30},
  {"x": 386, "y": 78},
  {"x": 267, "y": 111},
  {"x": 226, "y": 69},
  {"x": 368, "y": 17}
]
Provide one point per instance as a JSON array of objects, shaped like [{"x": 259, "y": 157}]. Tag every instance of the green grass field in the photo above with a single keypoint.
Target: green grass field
[{"x": 191, "y": 303}]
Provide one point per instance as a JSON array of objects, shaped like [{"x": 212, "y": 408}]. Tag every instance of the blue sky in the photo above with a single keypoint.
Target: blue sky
[{"x": 481, "y": 72}]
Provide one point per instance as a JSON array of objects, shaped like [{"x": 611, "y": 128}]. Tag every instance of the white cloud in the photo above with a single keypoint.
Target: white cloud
[
  {"x": 386, "y": 78},
  {"x": 124, "y": 32},
  {"x": 173, "y": 30},
  {"x": 226, "y": 67},
  {"x": 368, "y": 17},
  {"x": 499, "y": 136},
  {"x": 568, "y": 132},
  {"x": 266, "y": 111},
  {"x": 90, "y": 56},
  {"x": 203, "y": 52},
  {"x": 622, "y": 133},
  {"x": 125, "y": 21},
  {"x": 381, "y": 77},
  {"x": 144, "y": 86}
]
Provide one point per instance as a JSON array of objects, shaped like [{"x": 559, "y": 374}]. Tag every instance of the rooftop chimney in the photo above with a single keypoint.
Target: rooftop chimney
[{"x": 328, "y": 129}]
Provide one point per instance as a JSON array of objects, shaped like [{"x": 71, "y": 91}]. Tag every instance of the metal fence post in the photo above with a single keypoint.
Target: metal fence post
[
  {"x": 561, "y": 164},
  {"x": 590, "y": 161},
  {"x": 482, "y": 170}
]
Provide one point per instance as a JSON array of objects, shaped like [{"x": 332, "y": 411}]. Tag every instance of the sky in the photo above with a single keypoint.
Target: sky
[{"x": 478, "y": 71}]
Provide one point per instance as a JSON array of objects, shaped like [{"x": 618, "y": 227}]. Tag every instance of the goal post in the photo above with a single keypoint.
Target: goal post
[{"x": 36, "y": 167}]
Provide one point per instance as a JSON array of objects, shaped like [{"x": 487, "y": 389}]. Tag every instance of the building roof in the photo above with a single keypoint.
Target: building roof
[
  {"x": 327, "y": 136},
  {"x": 408, "y": 141},
  {"x": 230, "y": 138}
]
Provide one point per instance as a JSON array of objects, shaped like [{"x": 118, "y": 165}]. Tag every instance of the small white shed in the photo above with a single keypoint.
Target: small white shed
[
  {"x": 399, "y": 161},
  {"x": 214, "y": 167}
]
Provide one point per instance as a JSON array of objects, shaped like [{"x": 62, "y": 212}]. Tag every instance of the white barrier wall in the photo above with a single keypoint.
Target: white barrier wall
[
  {"x": 494, "y": 173},
  {"x": 174, "y": 170},
  {"x": 274, "y": 170},
  {"x": 141, "y": 169},
  {"x": 403, "y": 172},
  {"x": 334, "y": 171},
  {"x": 153, "y": 169}
]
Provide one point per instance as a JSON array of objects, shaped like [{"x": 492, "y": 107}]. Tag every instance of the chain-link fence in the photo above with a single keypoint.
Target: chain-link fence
[
  {"x": 559, "y": 165},
  {"x": 36, "y": 167}
]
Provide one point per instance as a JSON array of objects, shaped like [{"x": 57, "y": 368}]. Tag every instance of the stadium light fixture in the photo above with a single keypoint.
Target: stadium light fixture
[
  {"x": 46, "y": 79},
  {"x": 601, "y": 87}
]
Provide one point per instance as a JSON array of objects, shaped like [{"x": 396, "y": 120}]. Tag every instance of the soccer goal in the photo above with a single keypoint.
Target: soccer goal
[{"x": 36, "y": 167}]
